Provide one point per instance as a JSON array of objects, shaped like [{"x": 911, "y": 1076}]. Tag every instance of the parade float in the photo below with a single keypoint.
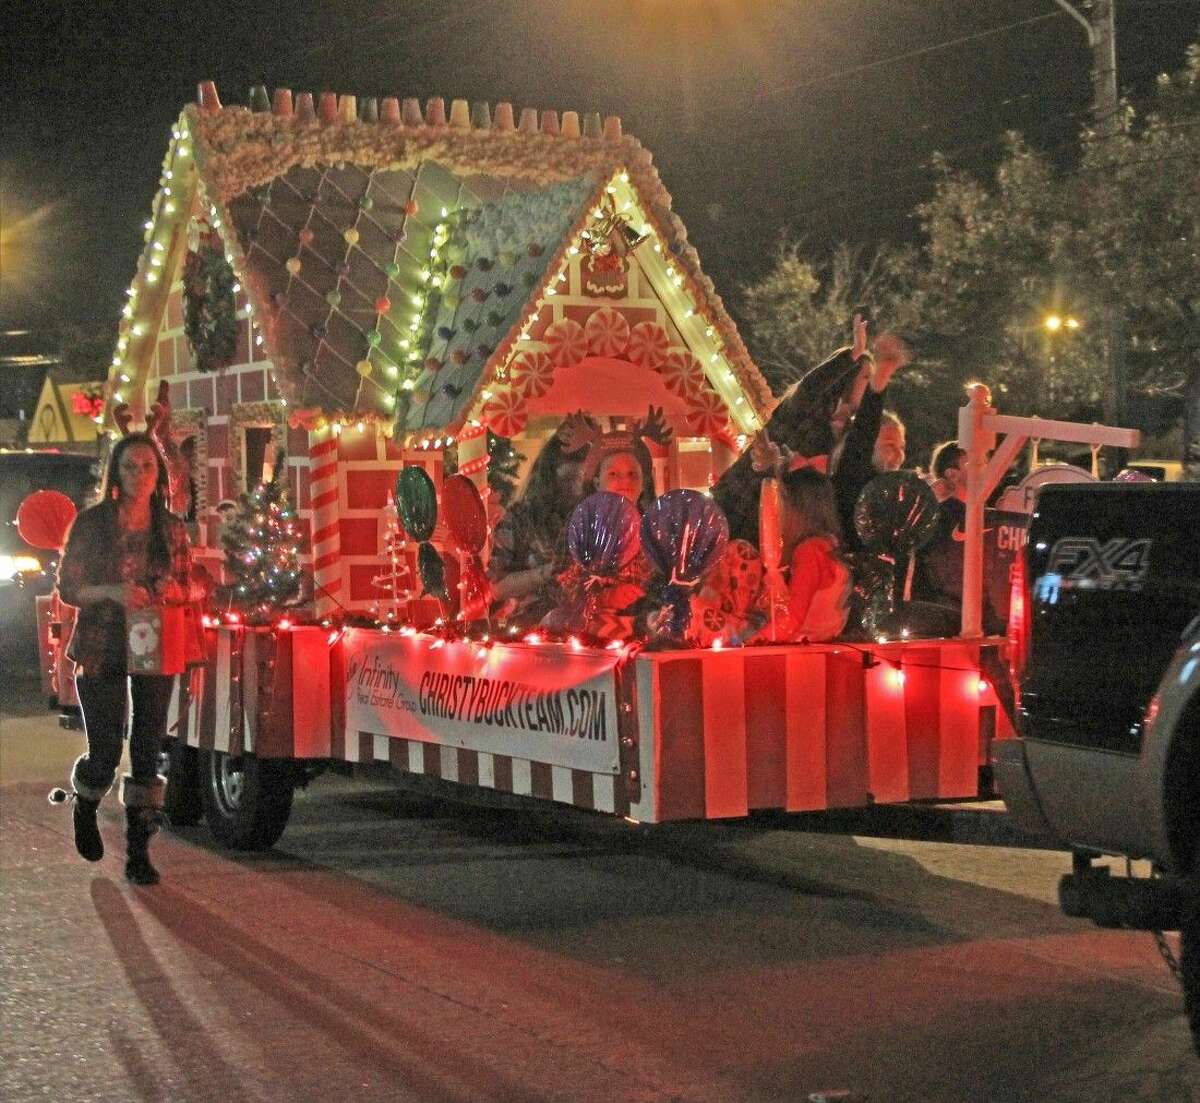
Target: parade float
[{"x": 343, "y": 302}]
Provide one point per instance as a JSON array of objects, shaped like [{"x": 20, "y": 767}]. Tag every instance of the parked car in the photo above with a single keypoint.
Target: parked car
[{"x": 27, "y": 572}]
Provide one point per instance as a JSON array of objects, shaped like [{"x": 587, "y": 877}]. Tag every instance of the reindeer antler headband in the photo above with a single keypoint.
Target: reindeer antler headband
[{"x": 578, "y": 432}]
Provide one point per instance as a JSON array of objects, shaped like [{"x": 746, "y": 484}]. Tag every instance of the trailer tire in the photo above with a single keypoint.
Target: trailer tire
[
  {"x": 181, "y": 804},
  {"x": 1190, "y": 960},
  {"x": 247, "y": 800}
]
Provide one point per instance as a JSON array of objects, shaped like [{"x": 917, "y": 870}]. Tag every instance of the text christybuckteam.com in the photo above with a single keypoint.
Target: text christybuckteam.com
[{"x": 577, "y": 712}]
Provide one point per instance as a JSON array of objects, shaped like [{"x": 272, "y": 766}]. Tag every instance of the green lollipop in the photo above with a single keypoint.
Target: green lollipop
[
  {"x": 417, "y": 502},
  {"x": 433, "y": 572}
]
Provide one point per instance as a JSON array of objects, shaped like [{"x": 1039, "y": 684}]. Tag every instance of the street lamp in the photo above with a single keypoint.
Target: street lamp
[{"x": 1054, "y": 322}]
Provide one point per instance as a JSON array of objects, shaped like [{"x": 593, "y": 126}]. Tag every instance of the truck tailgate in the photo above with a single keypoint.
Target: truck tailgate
[{"x": 1114, "y": 578}]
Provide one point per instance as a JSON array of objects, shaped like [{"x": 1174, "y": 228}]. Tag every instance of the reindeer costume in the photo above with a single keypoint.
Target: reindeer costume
[
  {"x": 579, "y": 433},
  {"x": 102, "y": 559}
]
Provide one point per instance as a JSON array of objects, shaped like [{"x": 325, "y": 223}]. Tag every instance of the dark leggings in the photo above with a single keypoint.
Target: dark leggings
[{"x": 102, "y": 700}]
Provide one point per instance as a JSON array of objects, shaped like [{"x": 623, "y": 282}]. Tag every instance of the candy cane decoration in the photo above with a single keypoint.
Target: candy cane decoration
[
  {"x": 648, "y": 345},
  {"x": 607, "y": 332},
  {"x": 326, "y": 545},
  {"x": 531, "y": 373},
  {"x": 565, "y": 343}
]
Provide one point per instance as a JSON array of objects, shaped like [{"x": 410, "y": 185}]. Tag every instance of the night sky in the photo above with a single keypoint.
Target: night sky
[{"x": 761, "y": 114}]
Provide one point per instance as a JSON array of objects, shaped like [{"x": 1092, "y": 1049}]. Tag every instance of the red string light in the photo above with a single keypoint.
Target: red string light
[{"x": 472, "y": 467}]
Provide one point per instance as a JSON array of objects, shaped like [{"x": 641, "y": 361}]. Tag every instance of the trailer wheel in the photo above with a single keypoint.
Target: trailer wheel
[
  {"x": 1190, "y": 960},
  {"x": 247, "y": 800},
  {"x": 182, "y": 804}
]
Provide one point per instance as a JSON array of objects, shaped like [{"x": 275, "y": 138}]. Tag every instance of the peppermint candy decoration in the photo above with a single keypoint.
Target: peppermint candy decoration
[
  {"x": 682, "y": 373},
  {"x": 607, "y": 332},
  {"x": 565, "y": 343},
  {"x": 531, "y": 373},
  {"x": 648, "y": 345},
  {"x": 707, "y": 414},
  {"x": 505, "y": 413}
]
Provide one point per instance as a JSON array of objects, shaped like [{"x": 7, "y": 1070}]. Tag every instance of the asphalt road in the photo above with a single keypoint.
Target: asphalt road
[{"x": 400, "y": 948}]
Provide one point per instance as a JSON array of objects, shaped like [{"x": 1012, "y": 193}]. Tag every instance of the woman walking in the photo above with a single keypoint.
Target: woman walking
[{"x": 123, "y": 554}]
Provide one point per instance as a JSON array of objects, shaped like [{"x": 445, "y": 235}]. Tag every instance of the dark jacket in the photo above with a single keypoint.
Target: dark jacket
[
  {"x": 98, "y": 554},
  {"x": 799, "y": 422},
  {"x": 855, "y": 467}
]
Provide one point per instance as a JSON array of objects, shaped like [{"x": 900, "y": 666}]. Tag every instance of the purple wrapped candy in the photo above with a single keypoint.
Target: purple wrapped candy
[
  {"x": 896, "y": 513},
  {"x": 684, "y": 533},
  {"x": 602, "y": 533}
]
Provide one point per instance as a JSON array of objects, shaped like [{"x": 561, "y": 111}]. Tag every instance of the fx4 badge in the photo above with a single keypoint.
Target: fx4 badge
[{"x": 1081, "y": 562}]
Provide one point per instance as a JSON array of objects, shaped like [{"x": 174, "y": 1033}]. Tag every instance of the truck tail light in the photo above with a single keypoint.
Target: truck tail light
[{"x": 1019, "y": 623}]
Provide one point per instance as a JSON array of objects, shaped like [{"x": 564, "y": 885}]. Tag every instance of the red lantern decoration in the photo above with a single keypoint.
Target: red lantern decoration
[{"x": 44, "y": 518}]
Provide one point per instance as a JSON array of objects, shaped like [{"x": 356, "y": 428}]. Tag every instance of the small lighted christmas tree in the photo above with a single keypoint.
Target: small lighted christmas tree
[
  {"x": 396, "y": 581},
  {"x": 504, "y": 463},
  {"x": 262, "y": 549}
]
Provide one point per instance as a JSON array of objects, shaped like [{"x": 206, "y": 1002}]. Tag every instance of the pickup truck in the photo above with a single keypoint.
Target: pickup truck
[{"x": 1105, "y": 648}]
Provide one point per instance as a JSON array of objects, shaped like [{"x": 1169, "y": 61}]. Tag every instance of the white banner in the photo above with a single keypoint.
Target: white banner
[{"x": 545, "y": 703}]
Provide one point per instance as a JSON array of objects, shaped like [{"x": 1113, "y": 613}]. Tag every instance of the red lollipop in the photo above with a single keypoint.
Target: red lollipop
[
  {"x": 463, "y": 512},
  {"x": 43, "y": 519}
]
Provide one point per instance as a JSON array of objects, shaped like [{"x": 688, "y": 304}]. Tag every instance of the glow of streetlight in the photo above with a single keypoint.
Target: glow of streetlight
[{"x": 1053, "y": 323}]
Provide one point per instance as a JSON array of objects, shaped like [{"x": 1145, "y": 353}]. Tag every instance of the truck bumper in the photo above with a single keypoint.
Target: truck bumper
[{"x": 1011, "y": 771}]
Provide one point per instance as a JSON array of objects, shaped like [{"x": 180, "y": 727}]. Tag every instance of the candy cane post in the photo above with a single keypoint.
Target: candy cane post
[
  {"x": 473, "y": 456},
  {"x": 326, "y": 550}
]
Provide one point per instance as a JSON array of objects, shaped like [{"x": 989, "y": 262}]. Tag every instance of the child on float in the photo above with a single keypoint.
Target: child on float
[
  {"x": 616, "y": 462},
  {"x": 529, "y": 544},
  {"x": 819, "y": 582}
]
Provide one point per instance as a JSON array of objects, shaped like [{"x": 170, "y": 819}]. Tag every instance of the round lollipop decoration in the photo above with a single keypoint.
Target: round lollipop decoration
[
  {"x": 683, "y": 535},
  {"x": 895, "y": 515},
  {"x": 602, "y": 533},
  {"x": 466, "y": 519},
  {"x": 602, "y": 538},
  {"x": 416, "y": 500}
]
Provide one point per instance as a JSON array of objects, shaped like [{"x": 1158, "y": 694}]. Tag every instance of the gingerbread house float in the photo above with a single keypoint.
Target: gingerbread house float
[{"x": 348, "y": 286}]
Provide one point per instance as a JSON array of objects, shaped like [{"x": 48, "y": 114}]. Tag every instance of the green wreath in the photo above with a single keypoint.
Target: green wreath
[{"x": 210, "y": 307}]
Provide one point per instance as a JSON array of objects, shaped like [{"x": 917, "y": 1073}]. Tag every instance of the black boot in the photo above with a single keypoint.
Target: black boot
[
  {"x": 87, "y": 798},
  {"x": 87, "y": 833},
  {"x": 139, "y": 826}
]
